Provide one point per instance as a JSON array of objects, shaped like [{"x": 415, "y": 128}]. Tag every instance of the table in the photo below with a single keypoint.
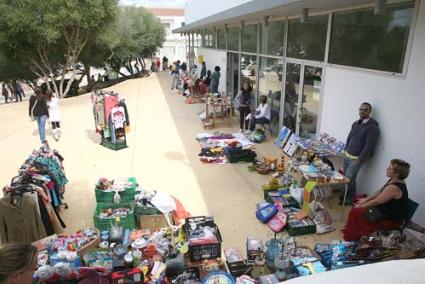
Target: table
[
  {"x": 219, "y": 108},
  {"x": 322, "y": 186}
]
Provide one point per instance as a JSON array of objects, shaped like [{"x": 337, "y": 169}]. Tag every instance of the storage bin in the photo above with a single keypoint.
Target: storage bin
[{"x": 104, "y": 224}]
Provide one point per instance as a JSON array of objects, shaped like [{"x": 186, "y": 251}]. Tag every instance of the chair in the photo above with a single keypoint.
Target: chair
[
  {"x": 411, "y": 209},
  {"x": 263, "y": 127}
]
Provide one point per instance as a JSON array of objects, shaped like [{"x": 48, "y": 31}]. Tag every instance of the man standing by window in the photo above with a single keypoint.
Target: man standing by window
[{"x": 361, "y": 142}]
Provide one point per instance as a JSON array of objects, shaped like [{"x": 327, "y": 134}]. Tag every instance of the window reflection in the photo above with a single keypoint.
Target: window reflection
[
  {"x": 249, "y": 71},
  {"x": 233, "y": 38},
  {"x": 291, "y": 95},
  {"x": 270, "y": 85},
  {"x": 310, "y": 101}
]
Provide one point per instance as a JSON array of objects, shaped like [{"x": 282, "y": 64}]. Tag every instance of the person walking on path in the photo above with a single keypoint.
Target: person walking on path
[
  {"x": 38, "y": 111},
  {"x": 16, "y": 91},
  {"x": 215, "y": 80},
  {"x": 54, "y": 114},
  {"x": 361, "y": 142},
  {"x": 175, "y": 75},
  {"x": 5, "y": 93},
  {"x": 164, "y": 63}
]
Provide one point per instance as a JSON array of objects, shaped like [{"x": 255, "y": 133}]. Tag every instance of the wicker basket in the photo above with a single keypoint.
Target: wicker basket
[{"x": 262, "y": 169}]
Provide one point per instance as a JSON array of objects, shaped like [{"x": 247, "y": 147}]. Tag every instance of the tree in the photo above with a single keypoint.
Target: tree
[
  {"x": 50, "y": 35},
  {"x": 140, "y": 34}
]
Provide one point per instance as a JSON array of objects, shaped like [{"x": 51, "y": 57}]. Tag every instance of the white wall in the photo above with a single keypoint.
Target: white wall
[
  {"x": 199, "y": 9},
  {"x": 214, "y": 58},
  {"x": 399, "y": 109},
  {"x": 174, "y": 46}
]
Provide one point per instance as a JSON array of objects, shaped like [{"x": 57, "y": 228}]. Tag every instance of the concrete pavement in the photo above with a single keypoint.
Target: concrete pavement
[{"x": 162, "y": 155}]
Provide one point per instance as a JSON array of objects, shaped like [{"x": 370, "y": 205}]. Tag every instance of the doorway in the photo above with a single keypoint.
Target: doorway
[
  {"x": 301, "y": 112},
  {"x": 233, "y": 74}
]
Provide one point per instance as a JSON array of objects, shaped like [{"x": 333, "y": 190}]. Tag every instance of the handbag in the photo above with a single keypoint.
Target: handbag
[
  {"x": 32, "y": 110},
  {"x": 373, "y": 214}
]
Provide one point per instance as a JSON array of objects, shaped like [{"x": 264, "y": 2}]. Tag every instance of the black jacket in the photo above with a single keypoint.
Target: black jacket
[
  {"x": 40, "y": 108},
  {"x": 362, "y": 139}
]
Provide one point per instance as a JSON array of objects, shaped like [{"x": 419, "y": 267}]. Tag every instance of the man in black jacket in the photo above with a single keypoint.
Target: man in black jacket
[{"x": 361, "y": 142}]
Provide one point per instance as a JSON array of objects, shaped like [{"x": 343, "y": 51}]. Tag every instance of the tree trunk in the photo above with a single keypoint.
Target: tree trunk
[
  {"x": 68, "y": 86},
  {"x": 89, "y": 80}
]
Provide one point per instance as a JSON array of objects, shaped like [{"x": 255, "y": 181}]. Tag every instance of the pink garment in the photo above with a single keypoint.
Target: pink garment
[{"x": 109, "y": 102}]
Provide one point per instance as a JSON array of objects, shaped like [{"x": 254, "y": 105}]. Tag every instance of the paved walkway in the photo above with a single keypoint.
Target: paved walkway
[{"x": 162, "y": 155}]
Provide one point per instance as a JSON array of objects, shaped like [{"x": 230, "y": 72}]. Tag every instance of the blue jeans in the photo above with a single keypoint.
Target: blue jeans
[
  {"x": 214, "y": 88},
  {"x": 351, "y": 169},
  {"x": 255, "y": 121},
  {"x": 41, "y": 122}
]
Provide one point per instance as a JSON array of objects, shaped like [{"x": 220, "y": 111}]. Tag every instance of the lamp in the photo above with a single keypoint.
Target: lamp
[
  {"x": 304, "y": 17},
  {"x": 266, "y": 21},
  {"x": 380, "y": 7}
]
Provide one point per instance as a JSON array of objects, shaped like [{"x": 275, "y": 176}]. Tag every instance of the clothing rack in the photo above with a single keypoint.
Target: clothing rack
[{"x": 111, "y": 119}]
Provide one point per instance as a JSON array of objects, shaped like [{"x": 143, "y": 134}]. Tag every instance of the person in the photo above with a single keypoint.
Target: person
[
  {"x": 175, "y": 75},
  {"x": 38, "y": 109},
  {"x": 17, "y": 91},
  {"x": 361, "y": 142},
  {"x": 203, "y": 70},
  {"x": 5, "y": 93},
  {"x": 164, "y": 63},
  {"x": 215, "y": 80},
  {"x": 18, "y": 263},
  {"x": 158, "y": 64},
  {"x": 54, "y": 114},
  {"x": 244, "y": 104},
  {"x": 262, "y": 113},
  {"x": 390, "y": 201}
]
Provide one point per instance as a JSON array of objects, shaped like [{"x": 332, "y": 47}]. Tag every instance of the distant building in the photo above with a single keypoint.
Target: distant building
[{"x": 174, "y": 47}]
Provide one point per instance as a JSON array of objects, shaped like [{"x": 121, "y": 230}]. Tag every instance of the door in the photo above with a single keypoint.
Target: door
[
  {"x": 301, "y": 113},
  {"x": 233, "y": 74}
]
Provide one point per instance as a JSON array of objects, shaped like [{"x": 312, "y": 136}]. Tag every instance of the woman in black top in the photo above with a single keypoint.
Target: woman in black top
[
  {"x": 390, "y": 202},
  {"x": 38, "y": 111},
  {"x": 245, "y": 105}
]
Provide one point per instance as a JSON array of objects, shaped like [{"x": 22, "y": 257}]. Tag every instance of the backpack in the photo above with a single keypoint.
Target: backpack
[{"x": 258, "y": 136}]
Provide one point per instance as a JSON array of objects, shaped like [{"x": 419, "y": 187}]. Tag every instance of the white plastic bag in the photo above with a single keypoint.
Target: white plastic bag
[{"x": 297, "y": 194}]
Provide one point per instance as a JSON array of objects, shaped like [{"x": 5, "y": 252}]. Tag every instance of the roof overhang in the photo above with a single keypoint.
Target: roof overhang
[{"x": 258, "y": 9}]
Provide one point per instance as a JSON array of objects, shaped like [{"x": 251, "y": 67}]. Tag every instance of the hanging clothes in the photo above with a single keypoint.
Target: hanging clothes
[
  {"x": 118, "y": 117},
  {"x": 109, "y": 101},
  {"x": 20, "y": 222}
]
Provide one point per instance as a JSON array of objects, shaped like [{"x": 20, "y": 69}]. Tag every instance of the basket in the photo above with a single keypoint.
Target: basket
[
  {"x": 128, "y": 222},
  {"x": 204, "y": 251},
  {"x": 263, "y": 169},
  {"x": 146, "y": 210},
  {"x": 127, "y": 196},
  {"x": 114, "y": 146},
  {"x": 90, "y": 245}
]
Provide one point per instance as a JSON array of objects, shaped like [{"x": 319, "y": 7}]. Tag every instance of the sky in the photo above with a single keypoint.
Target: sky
[{"x": 155, "y": 3}]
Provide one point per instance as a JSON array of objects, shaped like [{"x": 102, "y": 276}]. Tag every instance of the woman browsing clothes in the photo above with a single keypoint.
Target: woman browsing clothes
[
  {"x": 384, "y": 210},
  {"x": 38, "y": 111},
  {"x": 54, "y": 114}
]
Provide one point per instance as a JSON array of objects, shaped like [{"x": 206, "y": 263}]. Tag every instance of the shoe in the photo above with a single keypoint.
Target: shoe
[
  {"x": 241, "y": 131},
  {"x": 248, "y": 132}
]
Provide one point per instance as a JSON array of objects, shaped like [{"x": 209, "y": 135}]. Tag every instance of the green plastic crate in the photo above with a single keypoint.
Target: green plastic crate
[
  {"x": 126, "y": 195},
  {"x": 128, "y": 222},
  {"x": 295, "y": 227},
  {"x": 146, "y": 210},
  {"x": 114, "y": 146}
]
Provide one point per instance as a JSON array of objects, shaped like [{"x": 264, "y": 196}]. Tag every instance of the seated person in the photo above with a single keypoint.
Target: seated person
[
  {"x": 262, "y": 113},
  {"x": 390, "y": 201}
]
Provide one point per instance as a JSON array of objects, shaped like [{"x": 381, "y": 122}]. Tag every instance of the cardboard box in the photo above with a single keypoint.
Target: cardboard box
[{"x": 152, "y": 222}]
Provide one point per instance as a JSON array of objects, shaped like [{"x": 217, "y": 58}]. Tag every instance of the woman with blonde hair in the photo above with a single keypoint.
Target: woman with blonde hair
[{"x": 17, "y": 263}]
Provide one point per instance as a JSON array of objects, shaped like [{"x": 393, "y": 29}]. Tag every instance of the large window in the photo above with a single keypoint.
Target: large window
[
  {"x": 249, "y": 71},
  {"x": 270, "y": 85},
  {"x": 307, "y": 40},
  {"x": 233, "y": 38},
  {"x": 362, "y": 39},
  {"x": 221, "y": 39},
  {"x": 249, "y": 39},
  {"x": 208, "y": 38},
  {"x": 271, "y": 41}
]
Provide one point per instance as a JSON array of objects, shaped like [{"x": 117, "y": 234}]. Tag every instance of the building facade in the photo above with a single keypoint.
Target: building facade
[
  {"x": 174, "y": 47},
  {"x": 317, "y": 61}
]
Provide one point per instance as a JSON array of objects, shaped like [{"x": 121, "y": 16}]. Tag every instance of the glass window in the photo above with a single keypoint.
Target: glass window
[
  {"x": 233, "y": 38},
  {"x": 271, "y": 38},
  {"x": 362, "y": 39},
  {"x": 292, "y": 85},
  {"x": 204, "y": 39},
  {"x": 249, "y": 71},
  {"x": 249, "y": 39},
  {"x": 309, "y": 111},
  {"x": 270, "y": 85},
  {"x": 221, "y": 39},
  {"x": 307, "y": 40},
  {"x": 208, "y": 38}
]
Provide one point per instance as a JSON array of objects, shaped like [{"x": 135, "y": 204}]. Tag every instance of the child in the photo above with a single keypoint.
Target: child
[{"x": 54, "y": 114}]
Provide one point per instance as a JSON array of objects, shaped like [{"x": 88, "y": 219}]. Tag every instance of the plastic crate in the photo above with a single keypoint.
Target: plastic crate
[
  {"x": 146, "y": 210},
  {"x": 204, "y": 251},
  {"x": 273, "y": 196},
  {"x": 128, "y": 222},
  {"x": 127, "y": 196},
  {"x": 114, "y": 146},
  {"x": 300, "y": 227}
]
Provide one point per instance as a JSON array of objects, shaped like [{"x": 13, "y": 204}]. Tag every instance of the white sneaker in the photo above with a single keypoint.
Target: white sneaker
[
  {"x": 248, "y": 132},
  {"x": 241, "y": 131}
]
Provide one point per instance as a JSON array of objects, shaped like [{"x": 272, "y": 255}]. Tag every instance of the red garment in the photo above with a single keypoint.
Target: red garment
[
  {"x": 110, "y": 102},
  {"x": 358, "y": 226},
  {"x": 180, "y": 213}
]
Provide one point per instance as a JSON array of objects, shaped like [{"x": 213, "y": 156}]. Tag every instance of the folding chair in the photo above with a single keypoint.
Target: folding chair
[{"x": 411, "y": 209}]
